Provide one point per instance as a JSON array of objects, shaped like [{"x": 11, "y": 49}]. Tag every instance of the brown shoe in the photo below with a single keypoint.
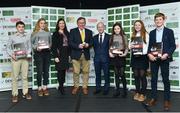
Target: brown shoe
[
  {"x": 27, "y": 96},
  {"x": 151, "y": 102},
  {"x": 136, "y": 96},
  {"x": 40, "y": 93},
  {"x": 46, "y": 92},
  {"x": 141, "y": 98},
  {"x": 85, "y": 91},
  {"x": 14, "y": 99},
  {"x": 167, "y": 105},
  {"x": 75, "y": 90}
]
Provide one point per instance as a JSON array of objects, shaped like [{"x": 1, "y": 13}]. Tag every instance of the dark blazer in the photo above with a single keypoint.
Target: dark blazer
[
  {"x": 101, "y": 52},
  {"x": 75, "y": 40},
  {"x": 59, "y": 51},
  {"x": 168, "y": 41}
]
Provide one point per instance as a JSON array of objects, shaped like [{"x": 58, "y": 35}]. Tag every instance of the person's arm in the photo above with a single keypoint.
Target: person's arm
[
  {"x": 172, "y": 43},
  {"x": 50, "y": 40},
  {"x": 145, "y": 45},
  {"x": 28, "y": 44},
  {"x": 72, "y": 43},
  {"x": 151, "y": 57},
  {"x": 9, "y": 47},
  {"x": 54, "y": 45},
  {"x": 34, "y": 41}
]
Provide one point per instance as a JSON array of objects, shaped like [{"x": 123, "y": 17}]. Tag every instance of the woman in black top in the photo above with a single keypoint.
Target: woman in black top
[{"x": 60, "y": 49}]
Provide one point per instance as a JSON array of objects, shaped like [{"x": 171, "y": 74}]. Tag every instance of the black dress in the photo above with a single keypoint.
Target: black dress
[{"x": 61, "y": 50}]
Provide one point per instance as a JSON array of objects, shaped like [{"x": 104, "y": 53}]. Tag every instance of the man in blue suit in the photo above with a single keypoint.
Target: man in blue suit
[
  {"x": 165, "y": 37},
  {"x": 101, "y": 58},
  {"x": 80, "y": 42}
]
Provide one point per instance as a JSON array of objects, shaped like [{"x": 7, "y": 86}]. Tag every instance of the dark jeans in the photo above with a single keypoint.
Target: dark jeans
[
  {"x": 140, "y": 80},
  {"x": 105, "y": 67},
  {"x": 61, "y": 77},
  {"x": 42, "y": 61},
  {"x": 164, "y": 65}
]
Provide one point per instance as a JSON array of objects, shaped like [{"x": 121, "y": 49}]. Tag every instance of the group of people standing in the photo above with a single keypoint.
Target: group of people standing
[{"x": 109, "y": 50}]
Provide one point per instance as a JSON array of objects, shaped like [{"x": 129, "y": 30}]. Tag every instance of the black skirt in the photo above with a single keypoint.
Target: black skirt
[
  {"x": 118, "y": 61},
  {"x": 139, "y": 62}
]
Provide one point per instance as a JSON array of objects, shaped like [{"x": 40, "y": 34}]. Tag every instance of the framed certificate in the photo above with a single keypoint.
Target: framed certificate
[
  {"x": 20, "y": 50},
  {"x": 156, "y": 50},
  {"x": 42, "y": 44},
  {"x": 138, "y": 46},
  {"x": 116, "y": 48}
]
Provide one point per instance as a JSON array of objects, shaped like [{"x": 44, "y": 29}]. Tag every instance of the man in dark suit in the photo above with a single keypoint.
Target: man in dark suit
[
  {"x": 80, "y": 41},
  {"x": 101, "y": 58},
  {"x": 165, "y": 37}
]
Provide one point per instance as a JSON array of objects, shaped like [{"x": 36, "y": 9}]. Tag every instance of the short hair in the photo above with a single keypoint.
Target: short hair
[
  {"x": 20, "y": 23},
  {"x": 81, "y": 18},
  {"x": 159, "y": 15}
]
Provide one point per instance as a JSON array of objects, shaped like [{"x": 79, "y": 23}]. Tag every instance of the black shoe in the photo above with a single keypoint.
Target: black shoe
[
  {"x": 116, "y": 94},
  {"x": 96, "y": 92},
  {"x": 124, "y": 95},
  {"x": 105, "y": 92}
]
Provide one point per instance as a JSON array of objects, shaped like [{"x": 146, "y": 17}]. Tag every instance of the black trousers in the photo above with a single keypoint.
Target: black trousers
[{"x": 42, "y": 61}]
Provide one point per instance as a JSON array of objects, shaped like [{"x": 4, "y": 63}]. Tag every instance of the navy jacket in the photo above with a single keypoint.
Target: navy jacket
[
  {"x": 75, "y": 40},
  {"x": 168, "y": 40},
  {"x": 101, "y": 52}
]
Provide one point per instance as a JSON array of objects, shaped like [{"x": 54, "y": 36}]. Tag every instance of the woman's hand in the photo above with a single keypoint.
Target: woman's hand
[{"x": 57, "y": 60}]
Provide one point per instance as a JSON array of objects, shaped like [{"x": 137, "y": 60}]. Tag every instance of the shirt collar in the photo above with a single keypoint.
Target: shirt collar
[
  {"x": 21, "y": 34},
  {"x": 102, "y": 34},
  {"x": 160, "y": 28}
]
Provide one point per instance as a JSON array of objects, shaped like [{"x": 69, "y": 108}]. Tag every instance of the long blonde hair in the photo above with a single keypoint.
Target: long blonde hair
[
  {"x": 143, "y": 31},
  {"x": 37, "y": 27}
]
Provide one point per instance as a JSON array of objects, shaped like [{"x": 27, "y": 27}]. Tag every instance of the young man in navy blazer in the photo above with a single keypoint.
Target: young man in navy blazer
[
  {"x": 101, "y": 58},
  {"x": 165, "y": 36},
  {"x": 80, "y": 42}
]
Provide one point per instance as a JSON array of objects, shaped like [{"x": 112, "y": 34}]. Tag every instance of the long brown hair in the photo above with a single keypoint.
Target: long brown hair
[
  {"x": 122, "y": 33},
  {"x": 143, "y": 31},
  {"x": 37, "y": 27}
]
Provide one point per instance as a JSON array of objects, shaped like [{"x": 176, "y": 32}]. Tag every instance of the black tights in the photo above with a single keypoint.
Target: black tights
[
  {"x": 140, "y": 80},
  {"x": 119, "y": 74}
]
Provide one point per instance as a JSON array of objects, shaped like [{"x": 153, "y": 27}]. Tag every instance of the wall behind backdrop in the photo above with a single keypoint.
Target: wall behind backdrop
[{"x": 124, "y": 14}]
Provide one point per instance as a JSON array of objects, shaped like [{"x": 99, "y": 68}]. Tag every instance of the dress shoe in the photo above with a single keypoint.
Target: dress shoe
[
  {"x": 14, "y": 99},
  {"x": 85, "y": 91},
  {"x": 96, "y": 92},
  {"x": 75, "y": 90},
  {"x": 167, "y": 105},
  {"x": 151, "y": 102},
  {"x": 105, "y": 92}
]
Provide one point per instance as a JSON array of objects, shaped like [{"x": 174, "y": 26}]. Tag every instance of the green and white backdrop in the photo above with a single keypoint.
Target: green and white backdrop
[{"x": 126, "y": 15}]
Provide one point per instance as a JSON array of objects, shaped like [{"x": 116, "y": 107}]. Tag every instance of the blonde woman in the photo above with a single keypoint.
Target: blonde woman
[
  {"x": 140, "y": 63},
  {"x": 41, "y": 43}
]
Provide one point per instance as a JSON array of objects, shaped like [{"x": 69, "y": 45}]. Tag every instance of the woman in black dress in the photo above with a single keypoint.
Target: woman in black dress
[
  {"x": 118, "y": 51},
  {"x": 60, "y": 49},
  {"x": 139, "y": 63}
]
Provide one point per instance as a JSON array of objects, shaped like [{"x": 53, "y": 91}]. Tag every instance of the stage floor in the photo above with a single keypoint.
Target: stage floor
[{"x": 82, "y": 103}]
